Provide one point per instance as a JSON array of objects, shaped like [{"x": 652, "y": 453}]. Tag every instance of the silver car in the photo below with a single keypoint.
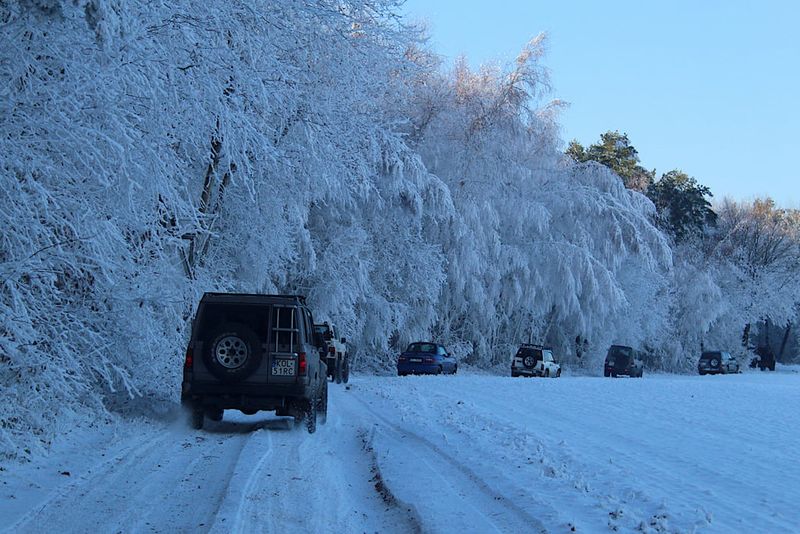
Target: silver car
[{"x": 715, "y": 362}]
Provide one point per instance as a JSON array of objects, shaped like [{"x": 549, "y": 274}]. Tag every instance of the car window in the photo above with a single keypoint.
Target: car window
[
  {"x": 530, "y": 351},
  {"x": 421, "y": 347},
  {"x": 548, "y": 356},
  {"x": 619, "y": 351},
  {"x": 320, "y": 329}
]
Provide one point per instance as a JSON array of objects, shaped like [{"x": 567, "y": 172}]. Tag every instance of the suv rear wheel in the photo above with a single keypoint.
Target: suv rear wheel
[
  {"x": 312, "y": 407},
  {"x": 322, "y": 404},
  {"x": 197, "y": 418},
  {"x": 337, "y": 372},
  {"x": 346, "y": 369}
]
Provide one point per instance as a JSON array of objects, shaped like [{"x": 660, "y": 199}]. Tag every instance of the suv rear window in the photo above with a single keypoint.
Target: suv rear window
[
  {"x": 421, "y": 347},
  {"x": 709, "y": 355},
  {"x": 619, "y": 353},
  {"x": 530, "y": 351},
  {"x": 254, "y": 316}
]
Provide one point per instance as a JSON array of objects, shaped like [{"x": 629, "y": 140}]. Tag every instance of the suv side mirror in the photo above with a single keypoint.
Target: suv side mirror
[{"x": 344, "y": 340}]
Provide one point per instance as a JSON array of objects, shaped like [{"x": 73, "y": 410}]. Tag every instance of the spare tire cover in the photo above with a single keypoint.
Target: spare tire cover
[{"x": 232, "y": 352}]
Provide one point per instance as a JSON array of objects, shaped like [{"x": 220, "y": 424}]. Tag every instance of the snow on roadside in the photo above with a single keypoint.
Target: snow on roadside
[
  {"x": 472, "y": 453},
  {"x": 661, "y": 454},
  {"x": 243, "y": 474}
]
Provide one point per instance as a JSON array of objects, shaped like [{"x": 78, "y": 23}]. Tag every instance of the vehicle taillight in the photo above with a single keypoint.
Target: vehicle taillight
[
  {"x": 302, "y": 364},
  {"x": 429, "y": 360},
  {"x": 332, "y": 350},
  {"x": 187, "y": 363},
  {"x": 401, "y": 359}
]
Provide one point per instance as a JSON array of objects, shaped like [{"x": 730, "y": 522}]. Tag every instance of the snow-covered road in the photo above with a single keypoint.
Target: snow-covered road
[{"x": 444, "y": 454}]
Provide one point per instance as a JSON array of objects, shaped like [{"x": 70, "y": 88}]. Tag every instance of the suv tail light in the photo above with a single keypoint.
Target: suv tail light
[
  {"x": 302, "y": 364},
  {"x": 332, "y": 350},
  {"x": 187, "y": 363}
]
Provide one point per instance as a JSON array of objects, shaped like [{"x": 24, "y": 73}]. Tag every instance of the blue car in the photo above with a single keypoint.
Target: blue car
[{"x": 426, "y": 358}]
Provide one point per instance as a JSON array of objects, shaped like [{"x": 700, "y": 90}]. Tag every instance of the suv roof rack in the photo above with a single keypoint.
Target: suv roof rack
[
  {"x": 535, "y": 346},
  {"x": 226, "y": 296}
]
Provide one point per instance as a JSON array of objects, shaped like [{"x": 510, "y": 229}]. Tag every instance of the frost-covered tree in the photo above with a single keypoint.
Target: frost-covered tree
[
  {"x": 151, "y": 151},
  {"x": 742, "y": 273},
  {"x": 760, "y": 243},
  {"x": 539, "y": 248}
]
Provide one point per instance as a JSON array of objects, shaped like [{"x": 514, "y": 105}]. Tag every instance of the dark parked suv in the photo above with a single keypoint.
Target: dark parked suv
[
  {"x": 622, "y": 360},
  {"x": 251, "y": 353}
]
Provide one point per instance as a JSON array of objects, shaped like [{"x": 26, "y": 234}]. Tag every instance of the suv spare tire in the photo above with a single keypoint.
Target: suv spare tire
[{"x": 232, "y": 352}]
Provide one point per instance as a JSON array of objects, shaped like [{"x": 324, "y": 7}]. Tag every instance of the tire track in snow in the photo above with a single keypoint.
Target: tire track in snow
[
  {"x": 484, "y": 505},
  {"x": 243, "y": 485},
  {"x": 412, "y": 515},
  {"x": 62, "y": 498},
  {"x": 289, "y": 481},
  {"x": 161, "y": 481},
  {"x": 585, "y": 480},
  {"x": 637, "y": 468}
]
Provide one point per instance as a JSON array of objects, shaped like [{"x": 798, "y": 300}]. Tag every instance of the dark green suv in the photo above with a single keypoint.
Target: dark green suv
[
  {"x": 254, "y": 352},
  {"x": 623, "y": 360}
]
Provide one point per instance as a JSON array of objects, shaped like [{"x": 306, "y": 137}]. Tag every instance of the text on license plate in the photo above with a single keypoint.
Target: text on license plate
[
  {"x": 283, "y": 367},
  {"x": 415, "y": 360}
]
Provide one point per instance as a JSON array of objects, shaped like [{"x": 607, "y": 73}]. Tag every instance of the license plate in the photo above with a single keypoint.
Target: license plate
[
  {"x": 283, "y": 367},
  {"x": 415, "y": 360}
]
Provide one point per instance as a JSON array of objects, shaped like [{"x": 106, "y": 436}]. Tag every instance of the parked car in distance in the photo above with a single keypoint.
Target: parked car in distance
[
  {"x": 715, "y": 362},
  {"x": 534, "y": 360},
  {"x": 623, "y": 360},
  {"x": 335, "y": 352},
  {"x": 426, "y": 358},
  {"x": 254, "y": 352}
]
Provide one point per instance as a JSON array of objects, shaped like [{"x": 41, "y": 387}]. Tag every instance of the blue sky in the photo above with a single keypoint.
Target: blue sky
[{"x": 710, "y": 87}]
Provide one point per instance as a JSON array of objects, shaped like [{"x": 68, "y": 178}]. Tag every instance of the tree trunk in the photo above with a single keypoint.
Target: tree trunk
[
  {"x": 785, "y": 339},
  {"x": 192, "y": 255}
]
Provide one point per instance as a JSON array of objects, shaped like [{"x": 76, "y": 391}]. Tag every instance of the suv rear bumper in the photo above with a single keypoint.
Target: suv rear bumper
[
  {"x": 524, "y": 371},
  {"x": 418, "y": 368},
  {"x": 610, "y": 371},
  {"x": 243, "y": 396}
]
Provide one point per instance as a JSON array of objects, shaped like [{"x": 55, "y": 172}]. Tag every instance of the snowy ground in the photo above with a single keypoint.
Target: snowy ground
[{"x": 444, "y": 454}]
